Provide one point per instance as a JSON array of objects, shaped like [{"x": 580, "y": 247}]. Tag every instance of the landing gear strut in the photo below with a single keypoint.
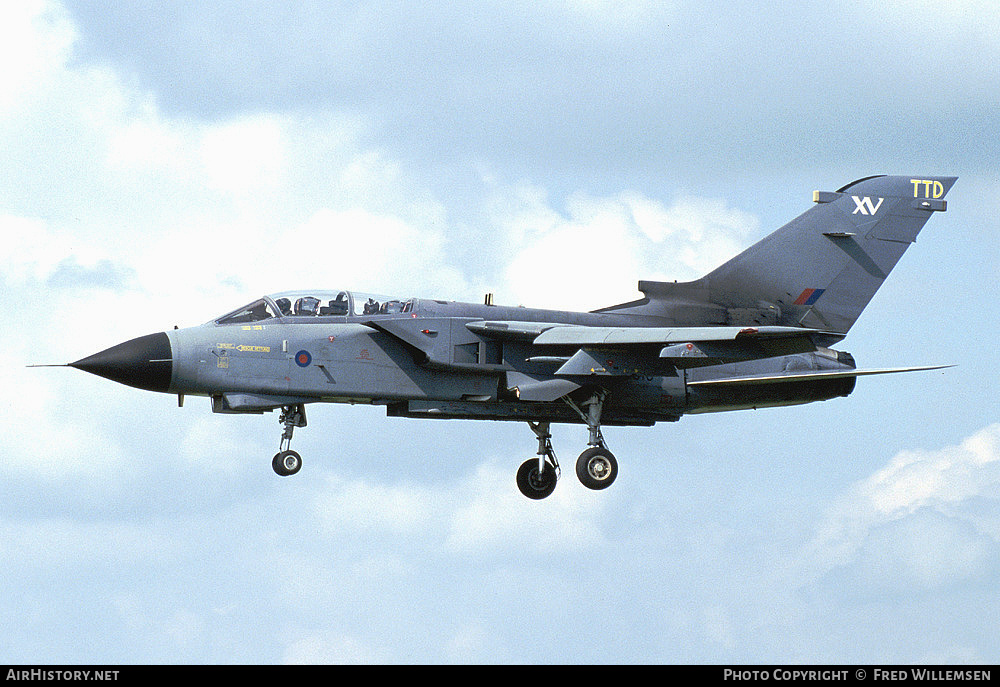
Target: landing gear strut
[
  {"x": 596, "y": 467},
  {"x": 287, "y": 462},
  {"x": 537, "y": 477}
]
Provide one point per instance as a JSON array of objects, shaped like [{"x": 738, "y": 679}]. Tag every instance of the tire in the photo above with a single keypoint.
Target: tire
[
  {"x": 533, "y": 485},
  {"x": 596, "y": 468},
  {"x": 287, "y": 463}
]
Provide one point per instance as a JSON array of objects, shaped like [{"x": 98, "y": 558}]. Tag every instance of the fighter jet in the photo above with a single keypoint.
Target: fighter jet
[{"x": 756, "y": 332}]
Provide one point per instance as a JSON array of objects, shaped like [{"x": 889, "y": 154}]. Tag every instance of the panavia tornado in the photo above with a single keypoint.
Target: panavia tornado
[{"x": 755, "y": 332}]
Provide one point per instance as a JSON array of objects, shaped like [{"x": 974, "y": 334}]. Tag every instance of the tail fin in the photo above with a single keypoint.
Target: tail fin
[{"x": 820, "y": 270}]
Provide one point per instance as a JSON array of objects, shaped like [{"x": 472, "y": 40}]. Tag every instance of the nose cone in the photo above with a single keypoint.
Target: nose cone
[{"x": 144, "y": 363}]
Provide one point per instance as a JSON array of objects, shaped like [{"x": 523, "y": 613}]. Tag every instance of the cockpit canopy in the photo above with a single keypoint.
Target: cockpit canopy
[{"x": 296, "y": 304}]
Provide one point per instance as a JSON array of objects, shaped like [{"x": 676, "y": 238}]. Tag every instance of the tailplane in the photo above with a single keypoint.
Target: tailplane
[{"x": 819, "y": 271}]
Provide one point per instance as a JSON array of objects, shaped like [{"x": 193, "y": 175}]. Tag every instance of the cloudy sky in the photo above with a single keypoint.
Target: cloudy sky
[{"x": 163, "y": 163}]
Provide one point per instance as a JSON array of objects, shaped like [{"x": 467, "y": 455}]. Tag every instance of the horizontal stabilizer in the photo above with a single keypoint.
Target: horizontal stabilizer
[{"x": 807, "y": 376}]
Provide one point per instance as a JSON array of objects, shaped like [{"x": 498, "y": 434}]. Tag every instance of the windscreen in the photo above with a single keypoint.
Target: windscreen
[{"x": 254, "y": 312}]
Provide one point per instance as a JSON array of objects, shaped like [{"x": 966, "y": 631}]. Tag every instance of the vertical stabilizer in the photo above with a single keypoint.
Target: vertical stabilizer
[{"x": 821, "y": 269}]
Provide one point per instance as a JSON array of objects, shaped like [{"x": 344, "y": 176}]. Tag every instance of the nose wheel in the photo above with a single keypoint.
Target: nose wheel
[{"x": 286, "y": 461}]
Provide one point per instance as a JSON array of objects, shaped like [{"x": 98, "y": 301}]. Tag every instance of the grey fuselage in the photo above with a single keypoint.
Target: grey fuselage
[{"x": 435, "y": 366}]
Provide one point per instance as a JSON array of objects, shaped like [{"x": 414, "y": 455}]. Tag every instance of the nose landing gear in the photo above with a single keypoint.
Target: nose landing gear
[{"x": 287, "y": 462}]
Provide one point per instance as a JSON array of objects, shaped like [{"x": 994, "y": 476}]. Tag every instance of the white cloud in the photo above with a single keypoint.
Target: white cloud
[
  {"x": 252, "y": 203},
  {"x": 30, "y": 251},
  {"x": 578, "y": 264},
  {"x": 34, "y": 40},
  {"x": 370, "y": 252},
  {"x": 928, "y": 519},
  {"x": 145, "y": 142},
  {"x": 475, "y": 515},
  {"x": 490, "y": 517},
  {"x": 246, "y": 155},
  {"x": 359, "y": 506},
  {"x": 953, "y": 19},
  {"x": 691, "y": 236},
  {"x": 202, "y": 215},
  {"x": 595, "y": 255},
  {"x": 925, "y": 549}
]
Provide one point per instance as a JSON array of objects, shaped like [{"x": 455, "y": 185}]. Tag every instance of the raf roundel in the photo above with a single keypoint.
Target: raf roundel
[{"x": 303, "y": 358}]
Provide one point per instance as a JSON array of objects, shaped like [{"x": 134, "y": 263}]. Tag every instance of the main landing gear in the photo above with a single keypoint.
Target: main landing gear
[
  {"x": 537, "y": 477},
  {"x": 596, "y": 468},
  {"x": 287, "y": 462}
]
